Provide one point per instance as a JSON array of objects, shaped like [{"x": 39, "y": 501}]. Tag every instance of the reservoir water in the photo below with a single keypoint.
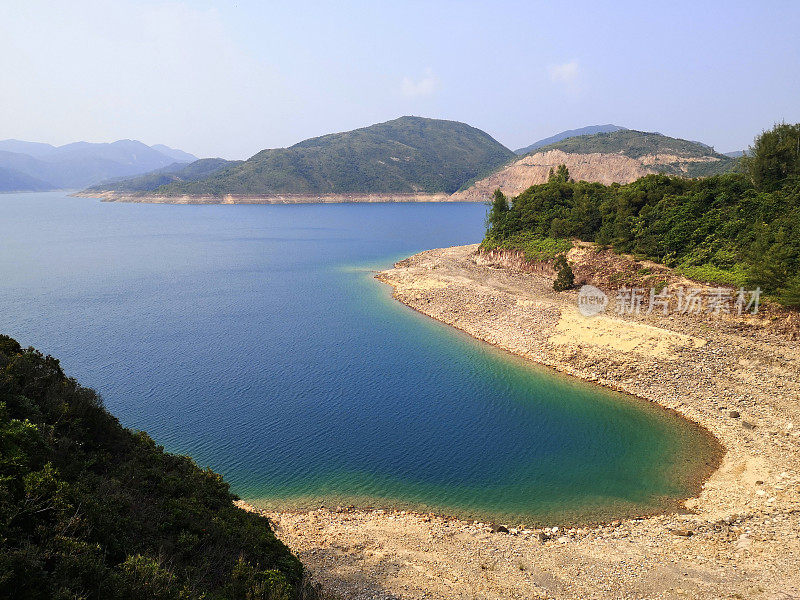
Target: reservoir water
[{"x": 256, "y": 340}]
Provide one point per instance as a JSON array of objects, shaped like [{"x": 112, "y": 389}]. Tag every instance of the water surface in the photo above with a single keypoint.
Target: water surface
[{"x": 255, "y": 339}]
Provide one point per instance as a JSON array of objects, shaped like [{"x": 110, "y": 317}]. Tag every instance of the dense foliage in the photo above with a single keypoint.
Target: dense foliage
[
  {"x": 91, "y": 510},
  {"x": 149, "y": 182},
  {"x": 737, "y": 229},
  {"x": 407, "y": 155}
]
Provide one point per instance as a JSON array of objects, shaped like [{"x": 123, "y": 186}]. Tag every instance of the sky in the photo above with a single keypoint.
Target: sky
[{"x": 231, "y": 78}]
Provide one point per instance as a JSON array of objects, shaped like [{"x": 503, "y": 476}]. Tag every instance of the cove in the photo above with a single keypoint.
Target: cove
[{"x": 255, "y": 339}]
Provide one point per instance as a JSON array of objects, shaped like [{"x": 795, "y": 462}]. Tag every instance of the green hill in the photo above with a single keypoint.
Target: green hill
[
  {"x": 589, "y": 130},
  {"x": 406, "y": 155},
  {"x": 91, "y": 510},
  {"x": 177, "y": 172}
]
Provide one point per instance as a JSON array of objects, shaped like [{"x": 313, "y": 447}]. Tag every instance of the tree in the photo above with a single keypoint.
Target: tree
[
  {"x": 791, "y": 294},
  {"x": 560, "y": 175},
  {"x": 565, "y": 278},
  {"x": 774, "y": 157},
  {"x": 498, "y": 215}
]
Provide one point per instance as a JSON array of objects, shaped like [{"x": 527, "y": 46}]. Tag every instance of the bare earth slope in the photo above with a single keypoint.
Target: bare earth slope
[
  {"x": 738, "y": 378},
  {"x": 270, "y": 199},
  {"x": 604, "y": 168}
]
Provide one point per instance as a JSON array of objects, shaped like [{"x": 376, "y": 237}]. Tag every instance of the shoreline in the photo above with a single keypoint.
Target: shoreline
[
  {"x": 366, "y": 198},
  {"x": 739, "y": 534}
]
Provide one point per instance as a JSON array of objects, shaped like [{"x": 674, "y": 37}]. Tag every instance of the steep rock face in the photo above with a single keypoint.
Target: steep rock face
[{"x": 604, "y": 168}]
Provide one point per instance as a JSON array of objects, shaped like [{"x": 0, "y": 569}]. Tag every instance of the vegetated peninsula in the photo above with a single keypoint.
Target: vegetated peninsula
[
  {"x": 410, "y": 158},
  {"x": 91, "y": 510},
  {"x": 620, "y": 156},
  {"x": 174, "y": 173}
]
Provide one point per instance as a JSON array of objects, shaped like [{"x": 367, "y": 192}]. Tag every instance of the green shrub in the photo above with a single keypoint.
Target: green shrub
[
  {"x": 565, "y": 278},
  {"x": 91, "y": 510}
]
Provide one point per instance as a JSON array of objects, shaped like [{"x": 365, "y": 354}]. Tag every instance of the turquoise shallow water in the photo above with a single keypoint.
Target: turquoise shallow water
[{"x": 255, "y": 339}]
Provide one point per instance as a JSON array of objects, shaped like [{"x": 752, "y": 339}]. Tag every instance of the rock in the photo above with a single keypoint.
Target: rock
[
  {"x": 734, "y": 414},
  {"x": 682, "y": 532},
  {"x": 748, "y": 425},
  {"x": 542, "y": 537},
  {"x": 499, "y": 528}
]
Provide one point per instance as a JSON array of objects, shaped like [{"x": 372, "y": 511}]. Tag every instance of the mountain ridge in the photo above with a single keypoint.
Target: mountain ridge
[
  {"x": 77, "y": 164},
  {"x": 404, "y": 156},
  {"x": 588, "y": 130}
]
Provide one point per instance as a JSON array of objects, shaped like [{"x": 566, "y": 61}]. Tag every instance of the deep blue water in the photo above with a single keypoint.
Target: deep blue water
[{"x": 255, "y": 339}]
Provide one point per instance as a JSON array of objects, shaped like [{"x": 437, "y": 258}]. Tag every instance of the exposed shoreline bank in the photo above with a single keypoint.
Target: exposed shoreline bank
[
  {"x": 271, "y": 199},
  {"x": 736, "y": 379}
]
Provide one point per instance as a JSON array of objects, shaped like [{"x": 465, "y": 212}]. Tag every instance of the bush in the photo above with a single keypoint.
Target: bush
[
  {"x": 91, "y": 510},
  {"x": 565, "y": 278}
]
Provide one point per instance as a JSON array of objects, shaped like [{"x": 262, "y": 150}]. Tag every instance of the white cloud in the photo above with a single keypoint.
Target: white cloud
[
  {"x": 422, "y": 87},
  {"x": 566, "y": 73}
]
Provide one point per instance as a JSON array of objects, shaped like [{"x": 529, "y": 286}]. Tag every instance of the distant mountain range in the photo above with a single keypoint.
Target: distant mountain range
[
  {"x": 406, "y": 156},
  {"x": 410, "y": 158},
  {"x": 619, "y": 156},
  {"x": 589, "y": 130},
  {"x": 34, "y": 166}
]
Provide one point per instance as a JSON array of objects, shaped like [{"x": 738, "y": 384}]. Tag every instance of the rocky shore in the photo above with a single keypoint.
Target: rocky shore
[
  {"x": 736, "y": 375},
  {"x": 112, "y": 196}
]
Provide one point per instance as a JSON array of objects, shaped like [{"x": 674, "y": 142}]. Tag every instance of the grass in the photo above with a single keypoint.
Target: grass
[
  {"x": 535, "y": 248},
  {"x": 735, "y": 276}
]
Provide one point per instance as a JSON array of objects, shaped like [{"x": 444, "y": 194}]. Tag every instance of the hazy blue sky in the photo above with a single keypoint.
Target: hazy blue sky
[{"x": 228, "y": 79}]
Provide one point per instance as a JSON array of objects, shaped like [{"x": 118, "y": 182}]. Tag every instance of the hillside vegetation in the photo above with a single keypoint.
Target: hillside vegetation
[
  {"x": 589, "y": 130},
  {"x": 91, "y": 510},
  {"x": 736, "y": 229},
  {"x": 406, "y": 155},
  {"x": 176, "y": 172}
]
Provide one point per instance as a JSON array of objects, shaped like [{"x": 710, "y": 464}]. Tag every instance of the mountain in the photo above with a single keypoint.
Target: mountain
[
  {"x": 178, "y": 155},
  {"x": 78, "y": 164},
  {"x": 29, "y": 148},
  {"x": 15, "y": 181},
  {"x": 176, "y": 172},
  {"x": 590, "y": 130},
  {"x": 409, "y": 155},
  {"x": 735, "y": 153},
  {"x": 619, "y": 156}
]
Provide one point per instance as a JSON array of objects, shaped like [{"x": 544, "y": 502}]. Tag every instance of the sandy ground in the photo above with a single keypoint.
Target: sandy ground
[{"x": 736, "y": 376}]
